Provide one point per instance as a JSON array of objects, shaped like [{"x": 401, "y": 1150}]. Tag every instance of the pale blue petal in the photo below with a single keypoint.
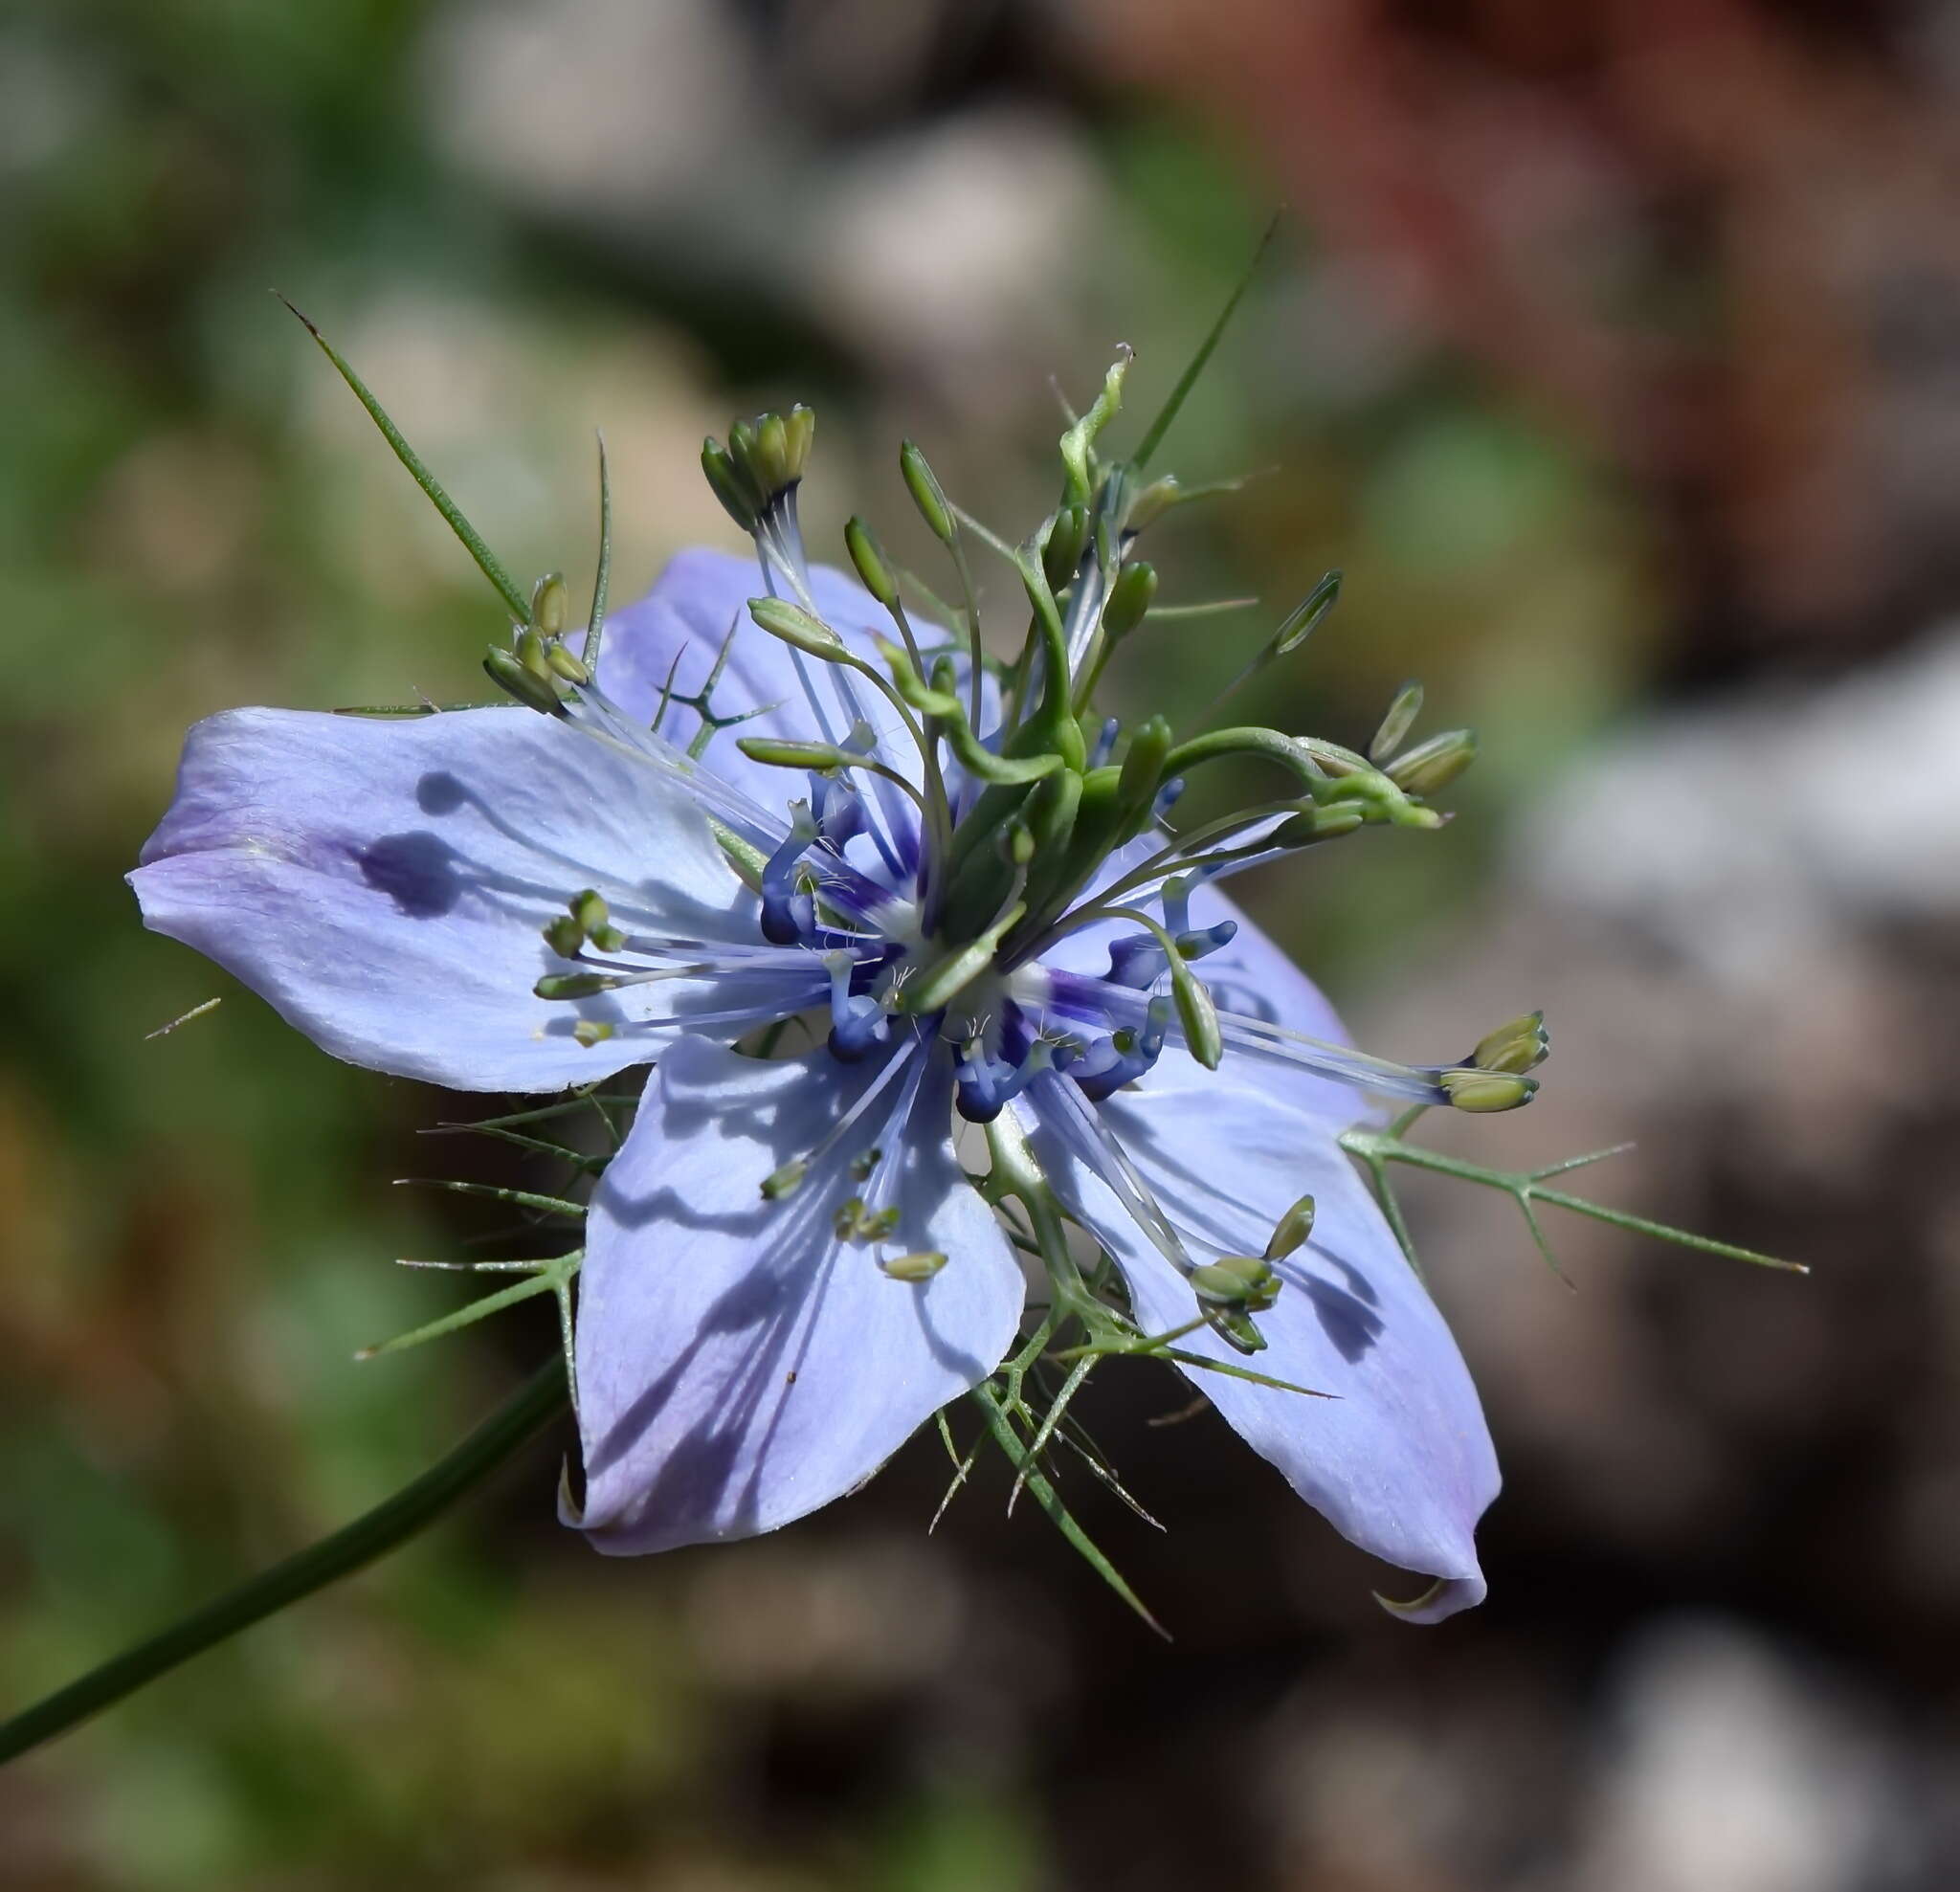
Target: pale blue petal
[
  {"x": 384, "y": 885},
  {"x": 737, "y": 1365},
  {"x": 1400, "y": 1461},
  {"x": 687, "y": 616},
  {"x": 1253, "y": 975}
]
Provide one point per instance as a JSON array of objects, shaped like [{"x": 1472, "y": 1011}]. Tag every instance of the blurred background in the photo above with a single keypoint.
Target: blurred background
[{"x": 1613, "y": 350}]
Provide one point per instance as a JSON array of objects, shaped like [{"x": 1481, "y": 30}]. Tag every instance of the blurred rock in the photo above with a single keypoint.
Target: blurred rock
[{"x": 1731, "y": 1764}]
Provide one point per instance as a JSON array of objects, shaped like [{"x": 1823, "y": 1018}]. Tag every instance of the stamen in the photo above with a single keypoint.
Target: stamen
[{"x": 858, "y": 1020}]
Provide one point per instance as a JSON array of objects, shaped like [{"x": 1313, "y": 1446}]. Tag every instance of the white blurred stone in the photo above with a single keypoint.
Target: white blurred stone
[
  {"x": 1751, "y": 838},
  {"x": 1734, "y": 1771},
  {"x": 594, "y": 108},
  {"x": 953, "y": 250}
]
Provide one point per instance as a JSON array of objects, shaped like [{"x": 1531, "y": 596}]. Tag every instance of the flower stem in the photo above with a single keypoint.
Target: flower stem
[{"x": 391, "y": 1523}]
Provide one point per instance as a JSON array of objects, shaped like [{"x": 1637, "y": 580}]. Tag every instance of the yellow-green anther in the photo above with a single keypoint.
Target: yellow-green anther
[
  {"x": 780, "y": 752},
  {"x": 867, "y": 556},
  {"x": 1486, "y": 1091},
  {"x": 865, "y": 1162},
  {"x": 728, "y": 483},
  {"x": 795, "y": 625},
  {"x": 1237, "y": 1280},
  {"x": 595, "y": 918},
  {"x": 1062, "y": 551},
  {"x": 1431, "y": 766},
  {"x": 535, "y": 655},
  {"x": 1234, "y": 1325},
  {"x": 1021, "y": 843},
  {"x": 589, "y": 1031},
  {"x": 1517, "y": 1047},
  {"x": 920, "y": 1266},
  {"x": 1130, "y": 598},
  {"x": 1154, "y": 501},
  {"x": 1299, "y": 623},
  {"x": 576, "y": 985},
  {"x": 1401, "y": 713},
  {"x": 927, "y": 495},
  {"x": 801, "y": 430},
  {"x": 551, "y": 604},
  {"x": 1291, "y": 1231},
  {"x": 772, "y": 453},
  {"x": 564, "y": 936},
  {"x": 1197, "y": 1014},
  {"x": 566, "y": 665},
  {"x": 517, "y": 680},
  {"x": 779, "y": 1182},
  {"x": 847, "y": 1221}
]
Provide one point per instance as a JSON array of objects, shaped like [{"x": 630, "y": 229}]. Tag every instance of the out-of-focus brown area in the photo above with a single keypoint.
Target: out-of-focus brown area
[{"x": 1610, "y": 352}]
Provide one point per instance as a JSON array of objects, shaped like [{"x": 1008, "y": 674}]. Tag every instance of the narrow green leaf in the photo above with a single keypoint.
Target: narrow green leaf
[
  {"x": 1044, "y": 1495},
  {"x": 487, "y": 562},
  {"x": 1153, "y": 438},
  {"x": 546, "y": 1281},
  {"x": 595, "y": 625}
]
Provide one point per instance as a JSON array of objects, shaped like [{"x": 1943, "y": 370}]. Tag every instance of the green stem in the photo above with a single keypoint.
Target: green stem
[
  {"x": 391, "y": 1523},
  {"x": 1373, "y": 1147}
]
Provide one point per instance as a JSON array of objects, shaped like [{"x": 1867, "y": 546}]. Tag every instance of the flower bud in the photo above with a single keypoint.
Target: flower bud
[
  {"x": 1517, "y": 1047},
  {"x": 868, "y": 557},
  {"x": 1062, "y": 551},
  {"x": 795, "y": 625},
  {"x": 1401, "y": 713},
  {"x": 1484, "y": 1091},
  {"x": 1130, "y": 597},
  {"x": 1431, "y": 766},
  {"x": 1291, "y": 1231},
  {"x": 927, "y": 495}
]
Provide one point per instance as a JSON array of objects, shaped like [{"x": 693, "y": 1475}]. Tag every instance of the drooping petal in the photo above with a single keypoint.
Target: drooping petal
[
  {"x": 385, "y": 884},
  {"x": 738, "y": 1365},
  {"x": 1399, "y": 1461}
]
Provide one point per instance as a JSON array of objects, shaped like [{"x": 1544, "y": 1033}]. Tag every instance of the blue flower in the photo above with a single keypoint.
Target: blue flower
[{"x": 788, "y": 1267}]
